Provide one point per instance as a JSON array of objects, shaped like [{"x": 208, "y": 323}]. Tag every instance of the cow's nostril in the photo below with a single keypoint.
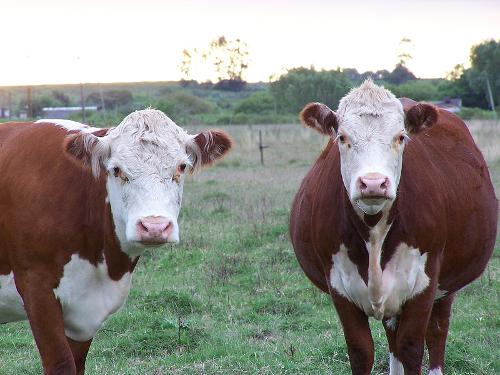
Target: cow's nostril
[
  {"x": 143, "y": 226},
  {"x": 384, "y": 185},
  {"x": 363, "y": 186},
  {"x": 168, "y": 228}
]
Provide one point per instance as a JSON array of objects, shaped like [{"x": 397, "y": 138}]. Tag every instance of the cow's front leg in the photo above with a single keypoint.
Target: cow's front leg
[
  {"x": 357, "y": 335},
  {"x": 437, "y": 331},
  {"x": 79, "y": 350},
  {"x": 391, "y": 327},
  {"x": 411, "y": 330},
  {"x": 46, "y": 321}
]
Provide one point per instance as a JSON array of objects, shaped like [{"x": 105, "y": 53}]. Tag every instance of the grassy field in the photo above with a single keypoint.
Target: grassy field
[{"x": 232, "y": 299}]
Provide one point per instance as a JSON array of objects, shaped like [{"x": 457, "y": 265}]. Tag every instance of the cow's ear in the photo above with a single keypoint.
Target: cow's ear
[
  {"x": 88, "y": 150},
  {"x": 207, "y": 147},
  {"x": 319, "y": 117},
  {"x": 419, "y": 117}
]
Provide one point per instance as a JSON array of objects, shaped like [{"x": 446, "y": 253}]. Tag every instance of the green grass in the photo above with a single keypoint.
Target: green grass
[{"x": 231, "y": 297}]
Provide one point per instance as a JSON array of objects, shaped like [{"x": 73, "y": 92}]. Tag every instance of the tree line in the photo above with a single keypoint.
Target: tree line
[
  {"x": 230, "y": 100},
  {"x": 477, "y": 86}
]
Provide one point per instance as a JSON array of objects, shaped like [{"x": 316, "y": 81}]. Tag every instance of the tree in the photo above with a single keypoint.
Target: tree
[
  {"x": 457, "y": 85},
  {"x": 400, "y": 74},
  {"x": 300, "y": 86},
  {"x": 417, "y": 90},
  {"x": 356, "y": 77},
  {"x": 229, "y": 57},
  {"x": 112, "y": 98},
  {"x": 257, "y": 103},
  {"x": 403, "y": 52},
  {"x": 485, "y": 68},
  {"x": 471, "y": 84},
  {"x": 230, "y": 60},
  {"x": 61, "y": 97},
  {"x": 38, "y": 103},
  {"x": 185, "y": 65}
]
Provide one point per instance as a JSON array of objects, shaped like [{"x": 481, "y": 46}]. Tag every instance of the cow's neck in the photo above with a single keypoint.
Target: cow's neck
[
  {"x": 117, "y": 260},
  {"x": 105, "y": 247}
]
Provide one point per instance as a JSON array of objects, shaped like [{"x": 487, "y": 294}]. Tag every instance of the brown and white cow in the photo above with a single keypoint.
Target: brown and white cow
[
  {"x": 396, "y": 215},
  {"x": 78, "y": 205}
]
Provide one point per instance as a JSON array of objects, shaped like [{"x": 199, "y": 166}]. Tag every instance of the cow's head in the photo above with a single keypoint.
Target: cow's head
[
  {"x": 145, "y": 159},
  {"x": 371, "y": 130}
]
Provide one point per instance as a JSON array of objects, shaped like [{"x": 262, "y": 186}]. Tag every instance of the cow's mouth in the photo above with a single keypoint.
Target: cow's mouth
[
  {"x": 371, "y": 199},
  {"x": 152, "y": 243},
  {"x": 371, "y": 205}
]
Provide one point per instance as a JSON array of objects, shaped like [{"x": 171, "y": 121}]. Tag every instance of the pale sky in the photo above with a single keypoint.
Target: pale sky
[{"x": 72, "y": 41}]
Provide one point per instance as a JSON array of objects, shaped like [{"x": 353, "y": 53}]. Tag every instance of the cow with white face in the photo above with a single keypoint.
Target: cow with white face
[
  {"x": 78, "y": 205},
  {"x": 396, "y": 215}
]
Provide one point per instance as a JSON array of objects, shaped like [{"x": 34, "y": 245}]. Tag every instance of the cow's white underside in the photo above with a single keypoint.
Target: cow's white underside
[
  {"x": 403, "y": 278},
  {"x": 87, "y": 295}
]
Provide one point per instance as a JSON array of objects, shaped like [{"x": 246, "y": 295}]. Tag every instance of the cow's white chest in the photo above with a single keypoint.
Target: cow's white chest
[
  {"x": 403, "y": 278},
  {"x": 88, "y": 296},
  {"x": 11, "y": 303}
]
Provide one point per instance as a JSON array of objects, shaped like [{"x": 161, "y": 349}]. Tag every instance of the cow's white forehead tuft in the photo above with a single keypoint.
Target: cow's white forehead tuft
[
  {"x": 148, "y": 142},
  {"x": 150, "y": 125},
  {"x": 369, "y": 99}
]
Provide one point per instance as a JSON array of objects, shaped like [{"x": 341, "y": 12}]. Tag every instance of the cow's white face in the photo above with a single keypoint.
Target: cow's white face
[
  {"x": 371, "y": 135},
  {"x": 145, "y": 158},
  {"x": 371, "y": 155},
  {"x": 144, "y": 184}
]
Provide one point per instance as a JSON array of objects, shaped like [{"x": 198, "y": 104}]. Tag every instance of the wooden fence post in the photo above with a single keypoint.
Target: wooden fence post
[{"x": 261, "y": 148}]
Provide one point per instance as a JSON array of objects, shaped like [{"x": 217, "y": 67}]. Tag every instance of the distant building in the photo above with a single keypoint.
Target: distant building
[
  {"x": 4, "y": 112},
  {"x": 450, "y": 104},
  {"x": 65, "y": 112}
]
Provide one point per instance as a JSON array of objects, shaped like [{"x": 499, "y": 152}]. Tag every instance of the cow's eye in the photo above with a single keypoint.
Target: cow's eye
[
  {"x": 402, "y": 138},
  {"x": 182, "y": 168},
  {"x": 342, "y": 139},
  {"x": 117, "y": 172}
]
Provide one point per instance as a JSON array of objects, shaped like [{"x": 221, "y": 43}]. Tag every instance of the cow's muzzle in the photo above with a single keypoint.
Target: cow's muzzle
[
  {"x": 373, "y": 186},
  {"x": 154, "y": 230}
]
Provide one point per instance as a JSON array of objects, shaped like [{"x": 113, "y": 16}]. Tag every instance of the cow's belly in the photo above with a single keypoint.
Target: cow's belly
[
  {"x": 88, "y": 296},
  {"x": 402, "y": 278},
  {"x": 11, "y": 303}
]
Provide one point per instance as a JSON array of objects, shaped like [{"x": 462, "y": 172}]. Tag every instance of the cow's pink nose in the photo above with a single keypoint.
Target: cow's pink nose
[
  {"x": 154, "y": 229},
  {"x": 373, "y": 185}
]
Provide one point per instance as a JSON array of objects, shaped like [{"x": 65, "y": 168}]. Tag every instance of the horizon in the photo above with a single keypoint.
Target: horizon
[{"x": 326, "y": 35}]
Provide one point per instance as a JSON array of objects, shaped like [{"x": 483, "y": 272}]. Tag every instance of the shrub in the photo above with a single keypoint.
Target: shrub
[
  {"x": 419, "y": 90},
  {"x": 475, "y": 113},
  {"x": 258, "y": 103},
  {"x": 300, "y": 86},
  {"x": 111, "y": 98},
  {"x": 181, "y": 105}
]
